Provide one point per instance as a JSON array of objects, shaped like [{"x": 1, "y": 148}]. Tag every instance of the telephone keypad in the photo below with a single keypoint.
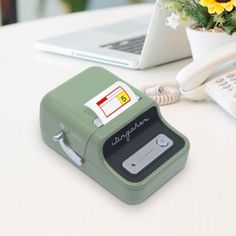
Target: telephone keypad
[
  {"x": 219, "y": 80},
  {"x": 226, "y": 86},
  {"x": 222, "y": 90},
  {"x": 223, "y": 83},
  {"x": 230, "y": 75}
]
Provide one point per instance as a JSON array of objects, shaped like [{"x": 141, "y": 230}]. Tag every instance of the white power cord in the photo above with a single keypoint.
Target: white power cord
[{"x": 164, "y": 94}]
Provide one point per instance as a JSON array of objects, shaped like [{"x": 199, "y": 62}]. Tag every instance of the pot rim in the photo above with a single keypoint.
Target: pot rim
[{"x": 191, "y": 29}]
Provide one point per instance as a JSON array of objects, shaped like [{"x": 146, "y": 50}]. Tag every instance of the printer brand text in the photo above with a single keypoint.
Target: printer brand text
[{"x": 126, "y": 135}]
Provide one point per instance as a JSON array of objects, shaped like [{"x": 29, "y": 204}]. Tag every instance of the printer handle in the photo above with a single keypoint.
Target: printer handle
[{"x": 61, "y": 139}]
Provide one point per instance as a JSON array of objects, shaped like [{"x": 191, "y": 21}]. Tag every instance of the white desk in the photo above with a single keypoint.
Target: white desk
[{"x": 41, "y": 194}]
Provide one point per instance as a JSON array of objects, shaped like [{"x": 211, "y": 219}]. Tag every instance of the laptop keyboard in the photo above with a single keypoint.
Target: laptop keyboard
[{"x": 134, "y": 45}]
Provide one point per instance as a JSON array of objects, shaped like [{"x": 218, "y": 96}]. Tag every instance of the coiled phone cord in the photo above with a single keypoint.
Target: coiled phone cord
[{"x": 164, "y": 94}]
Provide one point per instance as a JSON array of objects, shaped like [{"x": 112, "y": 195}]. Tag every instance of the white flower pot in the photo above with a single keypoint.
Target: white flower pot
[{"x": 202, "y": 42}]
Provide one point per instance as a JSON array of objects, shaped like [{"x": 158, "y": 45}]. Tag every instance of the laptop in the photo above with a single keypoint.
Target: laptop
[{"x": 136, "y": 43}]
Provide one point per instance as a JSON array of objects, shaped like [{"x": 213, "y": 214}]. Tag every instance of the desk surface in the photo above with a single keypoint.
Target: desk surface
[{"x": 43, "y": 194}]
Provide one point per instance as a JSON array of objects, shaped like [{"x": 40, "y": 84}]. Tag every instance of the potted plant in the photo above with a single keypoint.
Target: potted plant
[{"x": 210, "y": 23}]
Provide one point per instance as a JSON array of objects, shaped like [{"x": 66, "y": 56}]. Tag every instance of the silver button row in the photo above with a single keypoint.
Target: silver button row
[
  {"x": 224, "y": 84},
  {"x": 227, "y": 86},
  {"x": 219, "y": 80},
  {"x": 230, "y": 75}
]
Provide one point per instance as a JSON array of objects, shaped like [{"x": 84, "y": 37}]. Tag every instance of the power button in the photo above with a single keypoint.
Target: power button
[{"x": 162, "y": 141}]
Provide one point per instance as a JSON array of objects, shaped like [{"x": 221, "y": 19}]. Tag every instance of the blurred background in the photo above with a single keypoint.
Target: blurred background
[{"x": 12, "y": 11}]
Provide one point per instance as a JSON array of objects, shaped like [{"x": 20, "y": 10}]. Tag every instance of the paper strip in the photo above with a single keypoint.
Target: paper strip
[{"x": 112, "y": 101}]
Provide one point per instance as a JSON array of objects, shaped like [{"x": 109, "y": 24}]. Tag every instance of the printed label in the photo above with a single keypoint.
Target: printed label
[{"x": 112, "y": 101}]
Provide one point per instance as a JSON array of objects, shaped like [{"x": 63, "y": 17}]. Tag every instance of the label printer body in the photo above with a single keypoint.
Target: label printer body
[{"x": 132, "y": 155}]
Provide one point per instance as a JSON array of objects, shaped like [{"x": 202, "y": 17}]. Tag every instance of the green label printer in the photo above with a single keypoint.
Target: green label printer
[{"x": 132, "y": 155}]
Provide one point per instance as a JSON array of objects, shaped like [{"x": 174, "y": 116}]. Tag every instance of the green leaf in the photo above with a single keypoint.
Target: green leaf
[
  {"x": 229, "y": 29},
  {"x": 210, "y": 23},
  {"x": 198, "y": 14},
  {"x": 76, "y": 5}
]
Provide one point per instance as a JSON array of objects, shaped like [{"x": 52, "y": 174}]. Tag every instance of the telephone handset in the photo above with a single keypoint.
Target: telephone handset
[
  {"x": 193, "y": 84},
  {"x": 193, "y": 78},
  {"x": 196, "y": 73}
]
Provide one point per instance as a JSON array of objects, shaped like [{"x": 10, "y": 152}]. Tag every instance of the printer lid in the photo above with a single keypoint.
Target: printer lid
[{"x": 66, "y": 103}]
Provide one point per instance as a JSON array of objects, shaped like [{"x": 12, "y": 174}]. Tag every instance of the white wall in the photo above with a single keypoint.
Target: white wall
[
  {"x": 0, "y": 15},
  {"x": 94, "y": 4},
  {"x": 28, "y": 10}
]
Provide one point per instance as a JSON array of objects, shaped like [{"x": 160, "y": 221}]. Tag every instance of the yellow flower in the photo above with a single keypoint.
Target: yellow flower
[{"x": 218, "y": 6}]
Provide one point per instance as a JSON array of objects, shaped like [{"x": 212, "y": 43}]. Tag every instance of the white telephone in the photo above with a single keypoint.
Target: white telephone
[
  {"x": 193, "y": 84},
  {"x": 193, "y": 78}
]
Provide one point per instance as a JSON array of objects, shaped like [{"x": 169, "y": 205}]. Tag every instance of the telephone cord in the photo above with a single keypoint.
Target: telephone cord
[{"x": 164, "y": 94}]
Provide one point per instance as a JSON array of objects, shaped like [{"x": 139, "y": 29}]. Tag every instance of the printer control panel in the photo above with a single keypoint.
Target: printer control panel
[
  {"x": 141, "y": 146},
  {"x": 147, "y": 154}
]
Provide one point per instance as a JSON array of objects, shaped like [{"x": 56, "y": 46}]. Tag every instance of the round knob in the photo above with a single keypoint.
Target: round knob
[{"x": 162, "y": 141}]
